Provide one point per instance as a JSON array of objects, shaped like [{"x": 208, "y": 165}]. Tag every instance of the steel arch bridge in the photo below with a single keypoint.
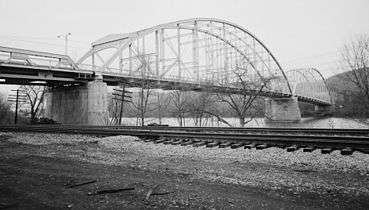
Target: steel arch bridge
[
  {"x": 200, "y": 54},
  {"x": 200, "y": 51}
]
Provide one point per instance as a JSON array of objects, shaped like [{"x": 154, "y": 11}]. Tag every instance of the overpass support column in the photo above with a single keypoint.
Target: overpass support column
[
  {"x": 86, "y": 104},
  {"x": 282, "y": 110}
]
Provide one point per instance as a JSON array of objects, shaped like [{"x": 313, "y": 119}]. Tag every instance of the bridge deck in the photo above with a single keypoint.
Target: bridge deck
[{"x": 17, "y": 67}]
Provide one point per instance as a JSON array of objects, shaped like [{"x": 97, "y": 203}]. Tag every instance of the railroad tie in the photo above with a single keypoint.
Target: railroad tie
[
  {"x": 327, "y": 150},
  {"x": 148, "y": 140},
  {"x": 160, "y": 140},
  {"x": 169, "y": 141},
  {"x": 262, "y": 146},
  {"x": 184, "y": 141},
  {"x": 347, "y": 151},
  {"x": 308, "y": 149},
  {"x": 250, "y": 146},
  {"x": 187, "y": 142},
  {"x": 282, "y": 146},
  {"x": 199, "y": 144},
  {"x": 225, "y": 144},
  {"x": 213, "y": 144},
  {"x": 238, "y": 145},
  {"x": 292, "y": 148},
  {"x": 178, "y": 141}
]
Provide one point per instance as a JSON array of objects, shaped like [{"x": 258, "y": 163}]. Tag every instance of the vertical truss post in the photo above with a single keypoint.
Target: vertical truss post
[
  {"x": 213, "y": 47},
  {"x": 122, "y": 104},
  {"x": 138, "y": 56},
  {"x": 121, "y": 61},
  {"x": 225, "y": 72},
  {"x": 93, "y": 59},
  {"x": 130, "y": 58},
  {"x": 254, "y": 54},
  {"x": 195, "y": 51},
  {"x": 145, "y": 63},
  {"x": 162, "y": 50},
  {"x": 207, "y": 53},
  {"x": 179, "y": 52},
  {"x": 157, "y": 53}
]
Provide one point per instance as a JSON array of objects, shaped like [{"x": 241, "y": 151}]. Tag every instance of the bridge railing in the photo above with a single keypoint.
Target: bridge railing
[{"x": 35, "y": 58}]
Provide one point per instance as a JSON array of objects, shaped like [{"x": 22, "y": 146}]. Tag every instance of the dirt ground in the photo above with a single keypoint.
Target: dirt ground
[{"x": 37, "y": 171}]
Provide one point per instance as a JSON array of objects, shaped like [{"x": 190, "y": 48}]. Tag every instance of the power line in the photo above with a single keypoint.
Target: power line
[
  {"x": 37, "y": 42},
  {"x": 313, "y": 56},
  {"x": 42, "y": 38}
]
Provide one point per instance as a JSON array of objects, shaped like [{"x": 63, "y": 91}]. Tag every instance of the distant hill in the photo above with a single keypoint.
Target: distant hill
[
  {"x": 341, "y": 83},
  {"x": 348, "y": 99}
]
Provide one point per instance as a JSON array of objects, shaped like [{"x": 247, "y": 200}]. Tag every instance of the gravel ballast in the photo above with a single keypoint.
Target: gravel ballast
[{"x": 272, "y": 168}]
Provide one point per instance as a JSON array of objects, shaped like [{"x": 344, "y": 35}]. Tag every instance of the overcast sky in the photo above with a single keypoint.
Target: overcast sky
[{"x": 300, "y": 33}]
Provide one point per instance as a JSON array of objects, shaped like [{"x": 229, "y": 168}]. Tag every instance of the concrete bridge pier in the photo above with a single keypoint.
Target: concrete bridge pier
[
  {"x": 323, "y": 110},
  {"x": 85, "y": 104},
  {"x": 282, "y": 110}
]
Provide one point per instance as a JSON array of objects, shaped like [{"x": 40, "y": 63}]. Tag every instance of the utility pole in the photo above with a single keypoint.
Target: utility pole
[
  {"x": 17, "y": 98},
  {"x": 65, "y": 42},
  {"x": 121, "y": 105},
  {"x": 159, "y": 108},
  {"x": 121, "y": 95},
  {"x": 16, "y": 108}
]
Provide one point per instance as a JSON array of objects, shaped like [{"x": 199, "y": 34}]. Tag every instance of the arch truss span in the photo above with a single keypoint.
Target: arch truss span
[
  {"x": 309, "y": 85},
  {"x": 198, "y": 51}
]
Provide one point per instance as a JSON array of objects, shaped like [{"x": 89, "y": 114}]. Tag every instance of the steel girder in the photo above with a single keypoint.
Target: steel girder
[
  {"x": 35, "y": 58},
  {"x": 199, "y": 51}
]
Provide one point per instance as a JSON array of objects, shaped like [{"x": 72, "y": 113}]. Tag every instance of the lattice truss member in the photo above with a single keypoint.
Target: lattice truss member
[{"x": 198, "y": 51}]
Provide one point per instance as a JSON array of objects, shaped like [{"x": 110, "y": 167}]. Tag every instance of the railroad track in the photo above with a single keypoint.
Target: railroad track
[
  {"x": 295, "y": 140},
  {"x": 312, "y": 131},
  {"x": 305, "y": 131}
]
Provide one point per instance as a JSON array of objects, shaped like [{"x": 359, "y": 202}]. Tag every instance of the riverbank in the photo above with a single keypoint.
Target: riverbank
[{"x": 36, "y": 167}]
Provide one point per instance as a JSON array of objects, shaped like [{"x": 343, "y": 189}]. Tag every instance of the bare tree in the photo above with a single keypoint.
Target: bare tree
[
  {"x": 356, "y": 57},
  {"x": 180, "y": 105},
  {"x": 242, "y": 103},
  {"x": 141, "y": 105},
  {"x": 162, "y": 104},
  {"x": 113, "y": 109},
  {"x": 35, "y": 97},
  {"x": 202, "y": 106}
]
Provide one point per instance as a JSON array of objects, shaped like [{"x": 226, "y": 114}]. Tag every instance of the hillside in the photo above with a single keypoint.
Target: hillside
[
  {"x": 348, "y": 99},
  {"x": 341, "y": 83}
]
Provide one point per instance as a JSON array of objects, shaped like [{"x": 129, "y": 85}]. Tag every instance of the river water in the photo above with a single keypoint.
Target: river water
[{"x": 330, "y": 122}]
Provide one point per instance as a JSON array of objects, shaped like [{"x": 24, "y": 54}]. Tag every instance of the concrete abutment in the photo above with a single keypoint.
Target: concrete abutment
[
  {"x": 85, "y": 104},
  {"x": 282, "y": 110}
]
